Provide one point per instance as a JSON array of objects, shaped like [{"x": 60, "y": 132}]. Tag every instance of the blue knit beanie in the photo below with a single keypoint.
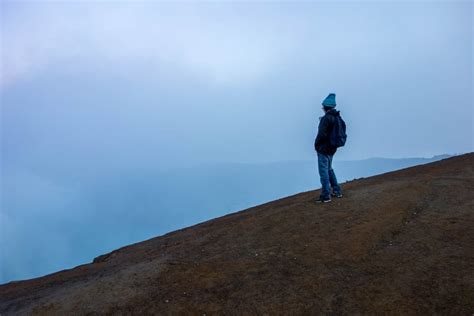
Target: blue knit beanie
[{"x": 330, "y": 100}]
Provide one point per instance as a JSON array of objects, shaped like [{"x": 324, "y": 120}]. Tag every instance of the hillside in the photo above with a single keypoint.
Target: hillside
[
  {"x": 137, "y": 203},
  {"x": 397, "y": 243}
]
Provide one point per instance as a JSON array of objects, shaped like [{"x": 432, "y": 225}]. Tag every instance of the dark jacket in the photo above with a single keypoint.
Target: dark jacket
[{"x": 326, "y": 124}]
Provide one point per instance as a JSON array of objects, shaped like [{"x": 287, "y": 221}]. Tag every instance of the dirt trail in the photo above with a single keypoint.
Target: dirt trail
[{"x": 397, "y": 243}]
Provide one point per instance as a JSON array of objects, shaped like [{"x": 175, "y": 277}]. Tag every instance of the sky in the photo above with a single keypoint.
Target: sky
[
  {"x": 100, "y": 88},
  {"x": 190, "y": 82}
]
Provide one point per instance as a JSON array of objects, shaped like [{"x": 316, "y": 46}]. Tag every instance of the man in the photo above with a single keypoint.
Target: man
[{"x": 326, "y": 148}]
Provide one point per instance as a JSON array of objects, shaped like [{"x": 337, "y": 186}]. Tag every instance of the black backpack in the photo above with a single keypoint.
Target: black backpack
[{"x": 338, "y": 136}]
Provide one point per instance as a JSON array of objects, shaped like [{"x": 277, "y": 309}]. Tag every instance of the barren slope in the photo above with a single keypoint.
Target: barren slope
[{"x": 398, "y": 243}]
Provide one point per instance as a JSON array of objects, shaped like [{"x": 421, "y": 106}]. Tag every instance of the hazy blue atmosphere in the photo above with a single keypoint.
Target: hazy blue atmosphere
[{"x": 121, "y": 121}]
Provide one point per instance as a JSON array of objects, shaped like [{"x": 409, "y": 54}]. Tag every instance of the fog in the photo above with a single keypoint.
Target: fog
[{"x": 121, "y": 121}]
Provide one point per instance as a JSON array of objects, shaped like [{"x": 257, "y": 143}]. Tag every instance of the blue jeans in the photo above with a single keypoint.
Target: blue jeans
[{"x": 327, "y": 176}]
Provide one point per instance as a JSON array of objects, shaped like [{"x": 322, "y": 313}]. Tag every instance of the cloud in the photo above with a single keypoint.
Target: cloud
[
  {"x": 221, "y": 43},
  {"x": 215, "y": 45}
]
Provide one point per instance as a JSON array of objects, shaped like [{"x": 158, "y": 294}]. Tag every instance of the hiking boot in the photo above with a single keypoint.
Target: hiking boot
[
  {"x": 337, "y": 195},
  {"x": 323, "y": 200}
]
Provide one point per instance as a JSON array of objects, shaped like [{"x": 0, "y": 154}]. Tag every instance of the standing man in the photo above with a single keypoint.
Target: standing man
[{"x": 331, "y": 135}]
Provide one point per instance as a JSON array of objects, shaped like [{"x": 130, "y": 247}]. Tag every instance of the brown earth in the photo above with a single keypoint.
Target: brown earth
[{"x": 397, "y": 243}]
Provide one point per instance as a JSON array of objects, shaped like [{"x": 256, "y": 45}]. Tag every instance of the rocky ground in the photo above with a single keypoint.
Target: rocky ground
[{"x": 397, "y": 243}]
